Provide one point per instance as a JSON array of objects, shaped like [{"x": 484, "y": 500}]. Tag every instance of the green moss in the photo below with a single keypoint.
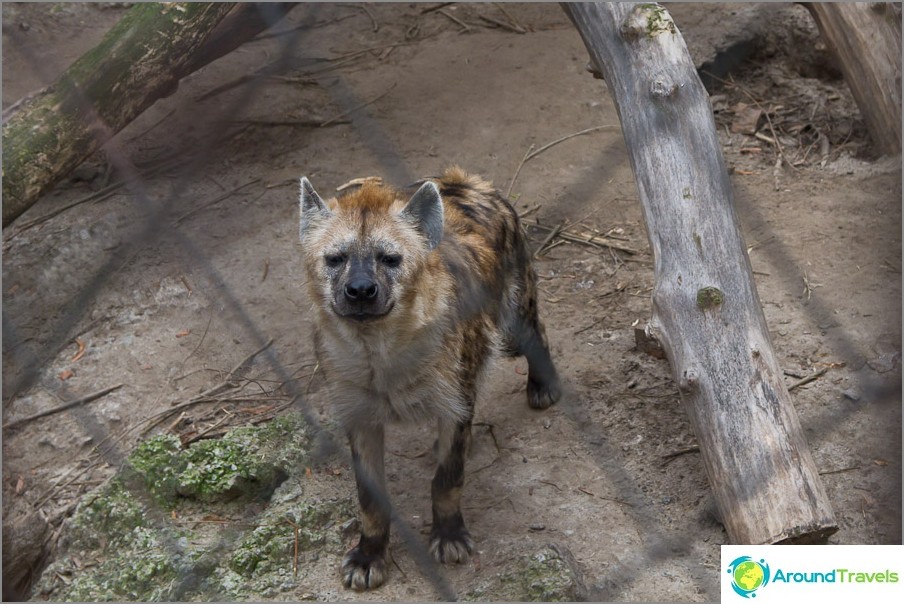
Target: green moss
[
  {"x": 709, "y": 298},
  {"x": 107, "y": 517},
  {"x": 247, "y": 463},
  {"x": 541, "y": 577},
  {"x": 698, "y": 241},
  {"x": 142, "y": 571},
  {"x": 226, "y": 470},
  {"x": 112, "y": 530},
  {"x": 269, "y": 546},
  {"x": 658, "y": 19},
  {"x": 157, "y": 462},
  {"x": 123, "y": 544}
]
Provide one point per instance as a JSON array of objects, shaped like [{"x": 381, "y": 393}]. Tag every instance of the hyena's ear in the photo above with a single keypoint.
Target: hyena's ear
[
  {"x": 311, "y": 207},
  {"x": 425, "y": 210}
]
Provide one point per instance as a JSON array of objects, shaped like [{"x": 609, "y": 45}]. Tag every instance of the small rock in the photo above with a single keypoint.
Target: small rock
[
  {"x": 537, "y": 527},
  {"x": 851, "y": 394}
]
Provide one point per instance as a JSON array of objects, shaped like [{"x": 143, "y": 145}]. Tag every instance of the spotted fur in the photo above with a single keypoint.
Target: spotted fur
[{"x": 412, "y": 294}]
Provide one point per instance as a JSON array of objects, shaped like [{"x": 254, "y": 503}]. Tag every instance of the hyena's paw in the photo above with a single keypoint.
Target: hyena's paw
[
  {"x": 541, "y": 394},
  {"x": 451, "y": 547},
  {"x": 361, "y": 571}
]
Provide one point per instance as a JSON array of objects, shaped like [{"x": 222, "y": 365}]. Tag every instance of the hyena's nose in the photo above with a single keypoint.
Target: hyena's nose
[{"x": 361, "y": 290}]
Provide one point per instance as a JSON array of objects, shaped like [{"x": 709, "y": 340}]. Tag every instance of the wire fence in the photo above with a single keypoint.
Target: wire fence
[{"x": 293, "y": 50}]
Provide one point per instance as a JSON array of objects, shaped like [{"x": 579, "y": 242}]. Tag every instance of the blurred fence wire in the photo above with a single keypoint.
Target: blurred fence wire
[{"x": 34, "y": 359}]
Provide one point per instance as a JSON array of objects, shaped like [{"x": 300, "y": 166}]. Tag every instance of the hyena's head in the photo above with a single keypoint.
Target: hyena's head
[{"x": 364, "y": 252}]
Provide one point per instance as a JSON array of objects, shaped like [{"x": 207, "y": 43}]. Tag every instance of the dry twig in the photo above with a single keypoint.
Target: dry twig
[
  {"x": 532, "y": 154},
  {"x": 465, "y": 27},
  {"x": 214, "y": 201},
  {"x": 594, "y": 240},
  {"x": 80, "y": 401},
  {"x": 357, "y": 107},
  {"x": 513, "y": 28},
  {"x": 808, "y": 379}
]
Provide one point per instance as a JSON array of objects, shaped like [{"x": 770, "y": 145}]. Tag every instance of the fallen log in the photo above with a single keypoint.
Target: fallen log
[
  {"x": 706, "y": 312},
  {"x": 139, "y": 61}
]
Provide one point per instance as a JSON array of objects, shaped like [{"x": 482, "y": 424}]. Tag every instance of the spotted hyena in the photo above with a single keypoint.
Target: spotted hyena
[{"x": 411, "y": 297}]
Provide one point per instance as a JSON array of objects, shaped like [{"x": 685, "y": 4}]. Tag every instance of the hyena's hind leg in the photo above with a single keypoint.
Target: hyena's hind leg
[
  {"x": 525, "y": 336},
  {"x": 450, "y": 541}
]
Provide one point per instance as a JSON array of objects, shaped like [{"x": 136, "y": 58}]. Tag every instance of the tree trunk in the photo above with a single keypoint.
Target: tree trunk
[
  {"x": 866, "y": 38},
  {"x": 140, "y": 60},
  {"x": 706, "y": 312}
]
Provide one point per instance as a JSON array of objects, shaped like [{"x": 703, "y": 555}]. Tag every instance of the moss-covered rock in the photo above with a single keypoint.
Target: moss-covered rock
[
  {"x": 545, "y": 576},
  {"x": 247, "y": 463},
  {"x": 157, "y": 462},
  {"x": 218, "y": 520}
]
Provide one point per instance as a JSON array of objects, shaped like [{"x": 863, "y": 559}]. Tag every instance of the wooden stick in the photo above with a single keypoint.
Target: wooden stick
[
  {"x": 80, "y": 401},
  {"x": 465, "y": 26},
  {"x": 531, "y": 153},
  {"x": 565, "y": 138},
  {"x": 430, "y": 9},
  {"x": 594, "y": 240},
  {"x": 98, "y": 196},
  {"x": 808, "y": 379},
  {"x": 503, "y": 24},
  {"x": 511, "y": 19},
  {"x": 518, "y": 171},
  {"x": 214, "y": 201},
  {"x": 552, "y": 235},
  {"x": 229, "y": 376},
  {"x": 309, "y": 123}
]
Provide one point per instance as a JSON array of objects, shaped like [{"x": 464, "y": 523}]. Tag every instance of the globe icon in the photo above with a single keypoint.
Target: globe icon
[{"x": 748, "y": 575}]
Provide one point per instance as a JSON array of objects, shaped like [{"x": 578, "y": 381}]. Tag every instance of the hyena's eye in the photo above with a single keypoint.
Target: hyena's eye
[
  {"x": 390, "y": 260},
  {"x": 334, "y": 260}
]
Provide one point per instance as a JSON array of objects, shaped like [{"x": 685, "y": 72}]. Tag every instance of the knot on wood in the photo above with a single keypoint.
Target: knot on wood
[
  {"x": 689, "y": 380},
  {"x": 594, "y": 71},
  {"x": 709, "y": 298},
  {"x": 663, "y": 86}
]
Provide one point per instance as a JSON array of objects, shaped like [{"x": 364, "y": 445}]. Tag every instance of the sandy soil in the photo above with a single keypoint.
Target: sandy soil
[{"x": 169, "y": 289}]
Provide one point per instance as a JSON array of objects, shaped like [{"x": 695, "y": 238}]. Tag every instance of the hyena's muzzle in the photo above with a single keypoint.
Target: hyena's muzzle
[{"x": 360, "y": 292}]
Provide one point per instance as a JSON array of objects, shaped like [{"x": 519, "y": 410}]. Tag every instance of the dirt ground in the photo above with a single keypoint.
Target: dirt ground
[{"x": 170, "y": 287}]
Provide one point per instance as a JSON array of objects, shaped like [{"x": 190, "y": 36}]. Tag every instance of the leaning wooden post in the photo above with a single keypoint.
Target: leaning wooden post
[
  {"x": 140, "y": 60},
  {"x": 866, "y": 38},
  {"x": 706, "y": 312}
]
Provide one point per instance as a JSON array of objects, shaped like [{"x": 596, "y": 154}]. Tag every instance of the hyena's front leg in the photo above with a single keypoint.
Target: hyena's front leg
[
  {"x": 364, "y": 566},
  {"x": 449, "y": 539}
]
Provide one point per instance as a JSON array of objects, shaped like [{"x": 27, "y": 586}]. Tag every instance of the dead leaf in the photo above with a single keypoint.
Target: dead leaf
[
  {"x": 308, "y": 472},
  {"x": 20, "y": 485},
  {"x": 81, "y": 350},
  {"x": 880, "y": 462},
  {"x": 746, "y": 118},
  {"x": 66, "y": 374},
  {"x": 183, "y": 333}
]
